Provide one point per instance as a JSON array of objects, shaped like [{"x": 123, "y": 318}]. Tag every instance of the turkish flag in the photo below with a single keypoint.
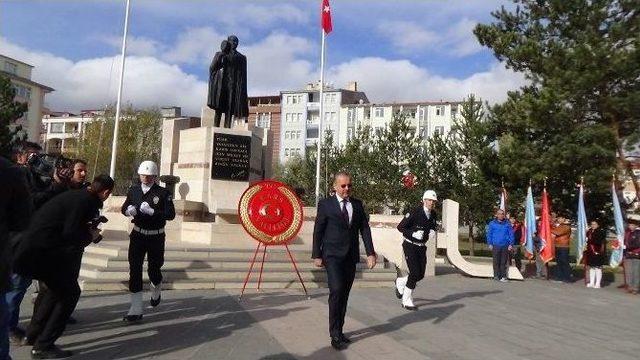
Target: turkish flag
[{"x": 325, "y": 17}]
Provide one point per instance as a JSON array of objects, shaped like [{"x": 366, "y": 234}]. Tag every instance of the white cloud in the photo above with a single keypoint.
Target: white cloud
[
  {"x": 195, "y": 46},
  {"x": 400, "y": 80},
  {"x": 456, "y": 39},
  {"x": 136, "y": 45},
  {"x": 264, "y": 16},
  {"x": 277, "y": 62},
  {"x": 406, "y": 35}
]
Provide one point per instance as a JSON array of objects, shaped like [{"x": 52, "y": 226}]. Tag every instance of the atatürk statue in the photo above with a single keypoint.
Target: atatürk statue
[{"x": 228, "y": 83}]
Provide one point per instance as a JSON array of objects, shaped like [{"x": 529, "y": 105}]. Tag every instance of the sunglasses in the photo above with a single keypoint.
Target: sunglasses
[{"x": 346, "y": 186}]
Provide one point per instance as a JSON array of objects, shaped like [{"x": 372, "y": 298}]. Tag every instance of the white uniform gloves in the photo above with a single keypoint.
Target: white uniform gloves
[
  {"x": 131, "y": 211},
  {"x": 145, "y": 208},
  {"x": 416, "y": 234}
]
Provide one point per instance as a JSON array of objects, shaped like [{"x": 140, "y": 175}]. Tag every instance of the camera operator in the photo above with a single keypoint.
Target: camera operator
[
  {"x": 14, "y": 216},
  {"x": 51, "y": 251},
  {"x": 79, "y": 177}
]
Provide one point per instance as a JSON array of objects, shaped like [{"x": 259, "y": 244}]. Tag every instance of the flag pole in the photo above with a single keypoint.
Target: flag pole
[
  {"x": 114, "y": 145},
  {"x": 321, "y": 110}
]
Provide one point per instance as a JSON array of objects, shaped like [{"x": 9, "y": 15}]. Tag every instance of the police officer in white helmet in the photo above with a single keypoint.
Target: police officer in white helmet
[
  {"x": 415, "y": 228},
  {"x": 150, "y": 206}
]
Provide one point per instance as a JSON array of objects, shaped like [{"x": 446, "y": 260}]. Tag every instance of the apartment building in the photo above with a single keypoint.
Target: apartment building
[
  {"x": 27, "y": 91},
  {"x": 300, "y": 116}
]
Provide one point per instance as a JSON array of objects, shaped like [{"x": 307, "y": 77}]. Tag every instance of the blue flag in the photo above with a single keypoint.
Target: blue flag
[
  {"x": 581, "y": 231},
  {"x": 529, "y": 224},
  {"x": 618, "y": 246}
]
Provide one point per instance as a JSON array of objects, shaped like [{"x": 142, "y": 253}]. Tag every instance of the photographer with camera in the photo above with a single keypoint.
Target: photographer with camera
[
  {"x": 47, "y": 176},
  {"x": 51, "y": 251}
]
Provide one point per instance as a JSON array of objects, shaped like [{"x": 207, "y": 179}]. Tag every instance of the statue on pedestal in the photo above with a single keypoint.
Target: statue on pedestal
[{"x": 228, "y": 83}]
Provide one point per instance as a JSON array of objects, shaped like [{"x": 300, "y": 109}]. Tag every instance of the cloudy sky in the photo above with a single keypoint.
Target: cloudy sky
[{"x": 396, "y": 50}]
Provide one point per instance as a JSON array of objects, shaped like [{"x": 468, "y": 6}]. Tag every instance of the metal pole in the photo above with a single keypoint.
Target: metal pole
[
  {"x": 114, "y": 145},
  {"x": 321, "y": 109}
]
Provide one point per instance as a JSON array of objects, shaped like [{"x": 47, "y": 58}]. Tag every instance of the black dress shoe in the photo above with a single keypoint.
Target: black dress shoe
[
  {"x": 345, "y": 339},
  {"x": 53, "y": 352},
  {"x": 155, "y": 302},
  {"x": 338, "y": 344},
  {"x": 132, "y": 318}
]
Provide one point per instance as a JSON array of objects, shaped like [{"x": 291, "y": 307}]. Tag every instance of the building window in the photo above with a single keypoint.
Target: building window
[
  {"x": 57, "y": 128},
  {"x": 379, "y": 112},
  {"x": 351, "y": 116},
  {"x": 288, "y": 117},
  {"x": 10, "y": 67},
  {"x": 263, "y": 120},
  {"x": 312, "y": 133},
  {"x": 454, "y": 110},
  {"x": 421, "y": 113},
  {"x": 421, "y": 134},
  {"x": 438, "y": 130},
  {"x": 286, "y": 152},
  {"x": 298, "y": 134},
  {"x": 298, "y": 117},
  {"x": 22, "y": 91},
  {"x": 350, "y": 133},
  {"x": 440, "y": 110},
  {"x": 286, "y": 135}
]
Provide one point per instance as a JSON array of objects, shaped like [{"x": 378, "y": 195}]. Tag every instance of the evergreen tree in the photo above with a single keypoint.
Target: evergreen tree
[{"x": 10, "y": 112}]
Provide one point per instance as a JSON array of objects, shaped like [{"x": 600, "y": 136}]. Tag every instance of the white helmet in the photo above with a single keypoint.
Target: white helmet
[
  {"x": 148, "y": 168},
  {"x": 430, "y": 195}
]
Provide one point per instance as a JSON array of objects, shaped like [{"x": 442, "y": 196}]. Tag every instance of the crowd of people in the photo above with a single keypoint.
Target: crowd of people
[
  {"x": 505, "y": 236},
  {"x": 48, "y": 214}
]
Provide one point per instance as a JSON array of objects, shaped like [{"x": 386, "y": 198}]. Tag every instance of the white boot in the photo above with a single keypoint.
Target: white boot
[
  {"x": 407, "y": 299},
  {"x": 135, "y": 310},
  {"x": 156, "y": 294},
  {"x": 598, "y": 272},
  {"x": 592, "y": 277},
  {"x": 401, "y": 282}
]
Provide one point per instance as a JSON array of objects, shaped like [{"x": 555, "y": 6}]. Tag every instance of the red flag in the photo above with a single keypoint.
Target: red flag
[
  {"x": 546, "y": 241},
  {"x": 326, "y": 17}
]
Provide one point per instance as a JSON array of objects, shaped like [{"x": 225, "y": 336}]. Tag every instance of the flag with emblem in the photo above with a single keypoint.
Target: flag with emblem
[
  {"x": 618, "y": 244},
  {"x": 326, "y": 17},
  {"x": 547, "y": 249},
  {"x": 529, "y": 228},
  {"x": 581, "y": 228}
]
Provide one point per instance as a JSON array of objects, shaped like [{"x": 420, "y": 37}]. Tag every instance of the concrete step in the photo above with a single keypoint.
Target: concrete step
[
  {"x": 187, "y": 284},
  {"x": 212, "y": 264},
  {"x": 315, "y": 275}
]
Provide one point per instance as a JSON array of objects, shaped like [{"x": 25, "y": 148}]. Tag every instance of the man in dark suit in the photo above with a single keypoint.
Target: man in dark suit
[{"x": 340, "y": 221}]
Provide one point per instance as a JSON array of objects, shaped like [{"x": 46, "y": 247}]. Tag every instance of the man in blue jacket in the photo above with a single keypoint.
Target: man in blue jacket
[{"x": 500, "y": 241}]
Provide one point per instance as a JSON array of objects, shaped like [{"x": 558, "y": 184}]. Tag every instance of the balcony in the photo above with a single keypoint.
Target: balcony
[{"x": 313, "y": 106}]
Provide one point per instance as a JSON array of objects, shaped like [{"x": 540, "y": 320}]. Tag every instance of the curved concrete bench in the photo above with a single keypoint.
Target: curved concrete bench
[{"x": 449, "y": 241}]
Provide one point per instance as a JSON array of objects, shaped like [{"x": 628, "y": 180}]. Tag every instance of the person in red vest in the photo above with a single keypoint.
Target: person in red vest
[{"x": 632, "y": 254}]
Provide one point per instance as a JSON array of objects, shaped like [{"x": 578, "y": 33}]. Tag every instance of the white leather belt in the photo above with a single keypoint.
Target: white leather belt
[
  {"x": 148, "y": 232},
  {"x": 415, "y": 243}
]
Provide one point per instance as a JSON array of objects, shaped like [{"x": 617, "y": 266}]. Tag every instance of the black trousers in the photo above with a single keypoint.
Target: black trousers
[
  {"x": 340, "y": 275},
  {"x": 416, "y": 257},
  {"x": 500, "y": 261},
  {"x": 153, "y": 247},
  {"x": 563, "y": 267},
  {"x": 56, "y": 302}
]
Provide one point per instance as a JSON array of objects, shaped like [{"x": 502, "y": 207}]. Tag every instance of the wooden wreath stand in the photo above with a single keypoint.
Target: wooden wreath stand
[{"x": 264, "y": 254}]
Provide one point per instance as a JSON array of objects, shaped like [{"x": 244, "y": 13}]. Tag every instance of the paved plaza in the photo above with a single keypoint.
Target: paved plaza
[{"x": 458, "y": 318}]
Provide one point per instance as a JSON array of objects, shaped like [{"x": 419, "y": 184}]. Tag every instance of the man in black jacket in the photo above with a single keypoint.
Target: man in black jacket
[
  {"x": 15, "y": 209},
  {"x": 340, "y": 221},
  {"x": 51, "y": 251},
  {"x": 415, "y": 228},
  {"x": 150, "y": 205}
]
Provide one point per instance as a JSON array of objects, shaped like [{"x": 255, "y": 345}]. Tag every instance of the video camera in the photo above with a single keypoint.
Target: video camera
[
  {"x": 44, "y": 166},
  {"x": 94, "y": 223}
]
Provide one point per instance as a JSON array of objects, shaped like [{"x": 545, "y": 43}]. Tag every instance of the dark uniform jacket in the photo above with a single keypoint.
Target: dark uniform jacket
[
  {"x": 57, "y": 234},
  {"x": 15, "y": 211},
  {"x": 334, "y": 237},
  {"x": 416, "y": 220},
  {"x": 159, "y": 199}
]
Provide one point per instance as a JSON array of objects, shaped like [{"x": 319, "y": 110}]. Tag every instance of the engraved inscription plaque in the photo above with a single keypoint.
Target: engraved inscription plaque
[{"x": 231, "y": 157}]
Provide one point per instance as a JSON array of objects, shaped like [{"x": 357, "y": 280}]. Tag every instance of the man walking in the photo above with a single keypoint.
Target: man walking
[
  {"x": 340, "y": 221},
  {"x": 150, "y": 205},
  {"x": 415, "y": 228},
  {"x": 561, "y": 233},
  {"x": 500, "y": 240},
  {"x": 51, "y": 251}
]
